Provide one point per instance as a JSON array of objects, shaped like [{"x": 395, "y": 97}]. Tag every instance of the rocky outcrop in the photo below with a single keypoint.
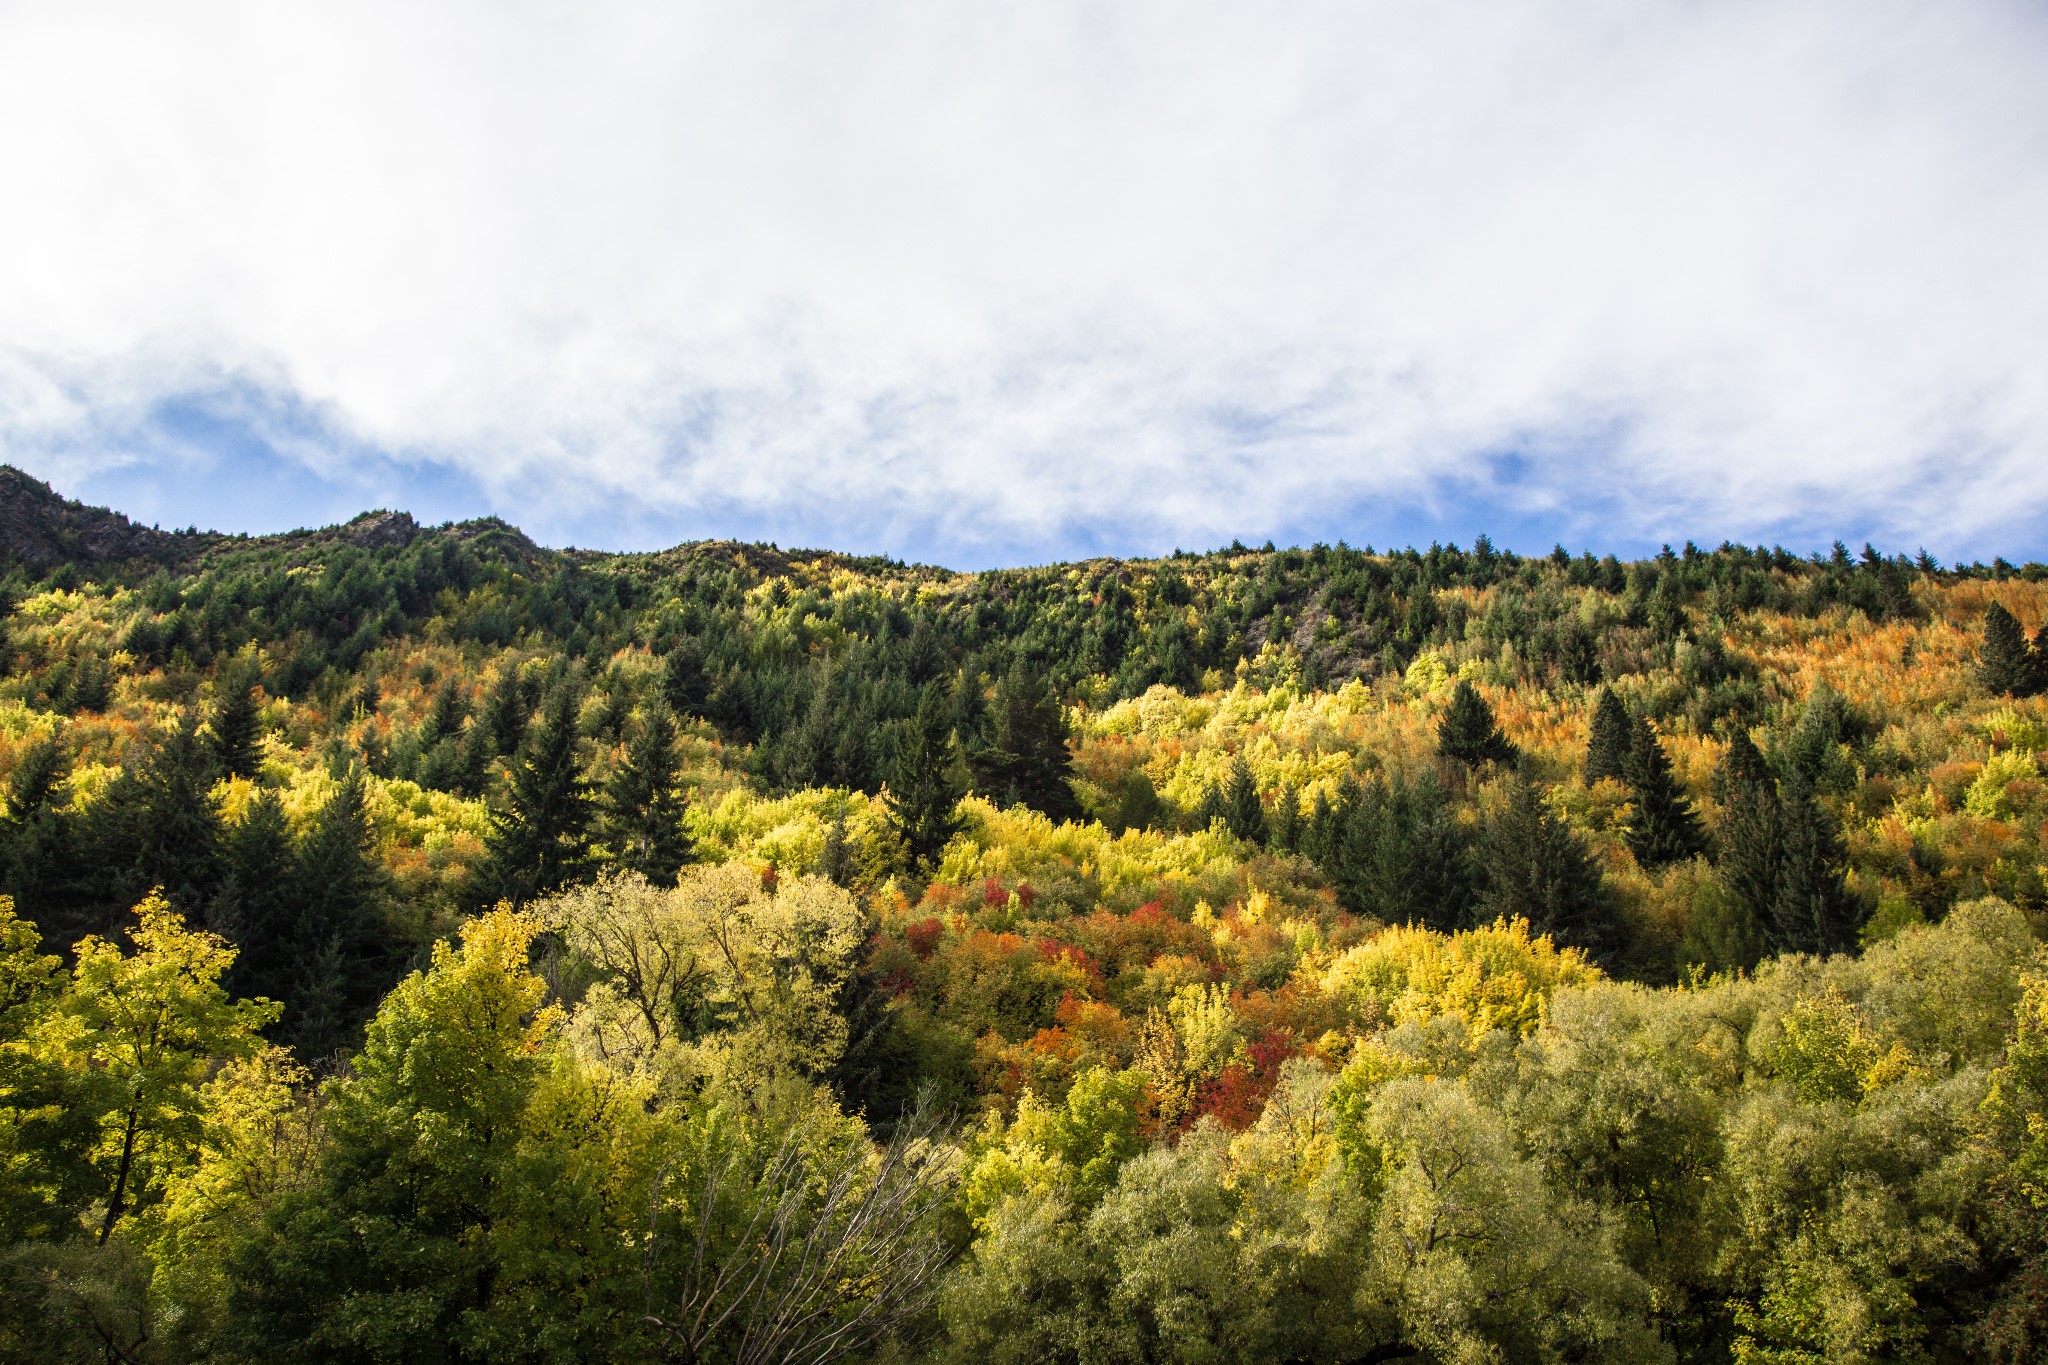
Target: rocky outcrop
[{"x": 42, "y": 527}]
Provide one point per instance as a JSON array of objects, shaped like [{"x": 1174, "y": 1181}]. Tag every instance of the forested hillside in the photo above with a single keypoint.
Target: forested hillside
[{"x": 422, "y": 945}]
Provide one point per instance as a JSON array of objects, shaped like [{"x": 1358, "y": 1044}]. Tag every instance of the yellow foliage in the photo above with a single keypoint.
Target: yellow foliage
[{"x": 1498, "y": 977}]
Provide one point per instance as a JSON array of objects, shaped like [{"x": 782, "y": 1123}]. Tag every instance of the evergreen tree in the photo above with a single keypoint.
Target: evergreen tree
[
  {"x": 924, "y": 782},
  {"x": 1812, "y": 911},
  {"x": 38, "y": 839},
  {"x": 1025, "y": 760},
  {"x": 1322, "y": 835},
  {"x": 2036, "y": 676},
  {"x": 1285, "y": 831},
  {"x": 237, "y": 727},
  {"x": 1752, "y": 839},
  {"x": 1607, "y": 750},
  {"x": 444, "y": 719},
  {"x": 1243, "y": 813},
  {"x": 507, "y": 712},
  {"x": 156, "y": 825},
  {"x": 340, "y": 947},
  {"x": 1214, "y": 808},
  {"x": 1537, "y": 868},
  {"x": 1467, "y": 731},
  {"x": 644, "y": 803},
  {"x": 258, "y": 905},
  {"x": 539, "y": 839},
  {"x": 1402, "y": 856},
  {"x": 2004, "y": 666},
  {"x": 685, "y": 686},
  {"x": 1137, "y": 803},
  {"x": 1662, "y": 827},
  {"x": 836, "y": 864}
]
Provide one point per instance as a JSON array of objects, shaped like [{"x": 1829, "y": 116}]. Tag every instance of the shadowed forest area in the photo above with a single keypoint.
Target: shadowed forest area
[{"x": 421, "y": 945}]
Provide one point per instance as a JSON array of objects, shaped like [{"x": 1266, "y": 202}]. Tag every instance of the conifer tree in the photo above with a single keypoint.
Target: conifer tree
[
  {"x": 1607, "y": 750},
  {"x": 1402, "y": 856},
  {"x": 2004, "y": 666},
  {"x": 1322, "y": 835},
  {"x": 340, "y": 946},
  {"x": 1213, "y": 808},
  {"x": 836, "y": 864},
  {"x": 1243, "y": 813},
  {"x": 539, "y": 839},
  {"x": 258, "y": 903},
  {"x": 1025, "y": 760},
  {"x": 1467, "y": 731},
  {"x": 1537, "y": 868},
  {"x": 2036, "y": 677},
  {"x": 1662, "y": 827},
  {"x": 38, "y": 837},
  {"x": 237, "y": 727},
  {"x": 1137, "y": 802},
  {"x": 507, "y": 712},
  {"x": 444, "y": 719},
  {"x": 644, "y": 803},
  {"x": 924, "y": 781},
  {"x": 1812, "y": 911},
  {"x": 1751, "y": 839},
  {"x": 1285, "y": 826},
  {"x": 684, "y": 684},
  {"x": 156, "y": 825}
]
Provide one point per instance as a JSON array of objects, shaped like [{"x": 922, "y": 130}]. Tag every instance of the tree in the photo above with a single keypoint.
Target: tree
[
  {"x": 148, "y": 1025},
  {"x": 1401, "y": 855},
  {"x": 1751, "y": 854},
  {"x": 1025, "y": 759},
  {"x": 1467, "y": 731},
  {"x": 924, "y": 782},
  {"x": 1537, "y": 868},
  {"x": 1607, "y": 750},
  {"x": 258, "y": 905},
  {"x": 1243, "y": 813},
  {"x": 507, "y": 711},
  {"x": 340, "y": 946},
  {"x": 644, "y": 802},
  {"x": 539, "y": 838},
  {"x": 2005, "y": 665},
  {"x": 684, "y": 684},
  {"x": 237, "y": 727},
  {"x": 1811, "y": 910},
  {"x": 444, "y": 719},
  {"x": 1662, "y": 827},
  {"x": 1286, "y": 824},
  {"x": 156, "y": 824}
]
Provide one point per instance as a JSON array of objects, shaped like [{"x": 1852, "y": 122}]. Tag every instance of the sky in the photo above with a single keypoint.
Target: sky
[{"x": 981, "y": 284}]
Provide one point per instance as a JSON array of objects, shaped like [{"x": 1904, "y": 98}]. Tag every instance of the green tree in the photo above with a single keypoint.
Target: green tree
[
  {"x": 1467, "y": 731},
  {"x": 1536, "y": 867},
  {"x": 1243, "y": 813},
  {"x": 924, "y": 781},
  {"x": 539, "y": 838},
  {"x": 341, "y": 949},
  {"x": 684, "y": 683},
  {"x": 1811, "y": 910},
  {"x": 1607, "y": 750},
  {"x": 1750, "y": 864},
  {"x": 1662, "y": 827},
  {"x": 644, "y": 802},
  {"x": 2005, "y": 665},
  {"x": 1401, "y": 854},
  {"x": 1024, "y": 760},
  {"x": 237, "y": 729}
]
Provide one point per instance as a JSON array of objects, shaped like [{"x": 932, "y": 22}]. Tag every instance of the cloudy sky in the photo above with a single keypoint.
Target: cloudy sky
[{"x": 996, "y": 284}]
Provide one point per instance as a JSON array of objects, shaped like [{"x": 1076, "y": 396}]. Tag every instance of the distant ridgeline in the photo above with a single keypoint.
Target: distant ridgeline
[{"x": 1267, "y": 922}]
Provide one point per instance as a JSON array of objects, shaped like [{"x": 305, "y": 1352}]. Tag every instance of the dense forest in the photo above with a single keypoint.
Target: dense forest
[{"x": 420, "y": 945}]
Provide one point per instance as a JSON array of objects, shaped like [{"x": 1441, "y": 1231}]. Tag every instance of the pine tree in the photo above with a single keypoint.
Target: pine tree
[
  {"x": 539, "y": 840},
  {"x": 685, "y": 684},
  {"x": 507, "y": 712},
  {"x": 924, "y": 782},
  {"x": 1751, "y": 842},
  {"x": 1467, "y": 731},
  {"x": 1402, "y": 856},
  {"x": 1662, "y": 827},
  {"x": 1213, "y": 808},
  {"x": 2004, "y": 666},
  {"x": 258, "y": 903},
  {"x": 1322, "y": 836},
  {"x": 836, "y": 863},
  {"x": 236, "y": 727},
  {"x": 38, "y": 838},
  {"x": 1811, "y": 911},
  {"x": 2036, "y": 676},
  {"x": 444, "y": 719},
  {"x": 156, "y": 825},
  {"x": 1243, "y": 813},
  {"x": 340, "y": 948},
  {"x": 1536, "y": 867},
  {"x": 1137, "y": 803},
  {"x": 1285, "y": 833},
  {"x": 644, "y": 803},
  {"x": 1025, "y": 760},
  {"x": 1607, "y": 750}
]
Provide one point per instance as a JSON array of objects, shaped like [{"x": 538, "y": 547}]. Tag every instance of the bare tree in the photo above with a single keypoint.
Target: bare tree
[{"x": 835, "y": 1250}]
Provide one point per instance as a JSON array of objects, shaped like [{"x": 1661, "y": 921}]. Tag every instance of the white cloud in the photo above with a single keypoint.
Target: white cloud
[{"x": 1142, "y": 272}]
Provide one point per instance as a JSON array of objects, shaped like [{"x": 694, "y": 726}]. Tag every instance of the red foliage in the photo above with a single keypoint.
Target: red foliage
[
  {"x": 1237, "y": 1097},
  {"x": 1025, "y": 895},
  {"x": 923, "y": 937},
  {"x": 993, "y": 892}
]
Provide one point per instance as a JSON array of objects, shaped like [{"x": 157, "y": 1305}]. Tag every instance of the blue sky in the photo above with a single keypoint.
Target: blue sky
[{"x": 981, "y": 287}]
